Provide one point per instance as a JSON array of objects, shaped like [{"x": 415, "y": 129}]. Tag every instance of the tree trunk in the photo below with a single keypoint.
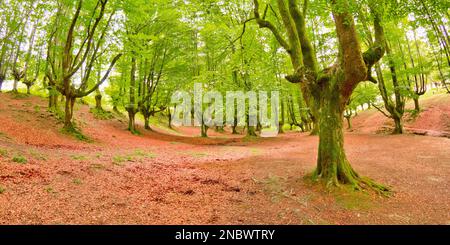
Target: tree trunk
[
  {"x": 333, "y": 166},
  {"x": 1, "y": 82},
  {"x": 131, "y": 108},
  {"x": 235, "y": 122},
  {"x": 147, "y": 122},
  {"x": 349, "y": 122},
  {"x": 204, "y": 130},
  {"x": 70, "y": 102},
  {"x": 416, "y": 105},
  {"x": 332, "y": 163},
  {"x": 28, "y": 89},
  {"x": 131, "y": 120},
  {"x": 283, "y": 119},
  {"x": 169, "y": 113},
  {"x": 52, "y": 100},
  {"x": 398, "y": 125},
  {"x": 250, "y": 129},
  {"x": 15, "y": 86},
  {"x": 98, "y": 101}
]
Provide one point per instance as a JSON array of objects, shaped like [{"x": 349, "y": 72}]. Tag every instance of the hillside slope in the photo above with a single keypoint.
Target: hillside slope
[{"x": 434, "y": 119}]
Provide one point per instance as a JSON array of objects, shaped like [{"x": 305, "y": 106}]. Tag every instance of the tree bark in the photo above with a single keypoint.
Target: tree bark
[
  {"x": 70, "y": 102},
  {"x": 416, "y": 105},
  {"x": 98, "y": 101},
  {"x": 131, "y": 108},
  {"x": 147, "y": 122},
  {"x": 1, "y": 82},
  {"x": 283, "y": 119},
  {"x": 398, "y": 125}
]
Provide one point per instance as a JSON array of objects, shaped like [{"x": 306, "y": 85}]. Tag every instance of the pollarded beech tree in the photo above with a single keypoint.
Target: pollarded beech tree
[
  {"x": 328, "y": 91},
  {"x": 70, "y": 50}
]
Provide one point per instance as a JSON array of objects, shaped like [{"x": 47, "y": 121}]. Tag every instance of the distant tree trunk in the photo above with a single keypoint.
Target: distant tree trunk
[
  {"x": 70, "y": 102},
  {"x": 16, "y": 82},
  {"x": 235, "y": 122},
  {"x": 204, "y": 129},
  {"x": 283, "y": 118},
  {"x": 348, "y": 116},
  {"x": 169, "y": 113},
  {"x": 250, "y": 129},
  {"x": 147, "y": 122},
  {"x": 416, "y": 104},
  {"x": 28, "y": 88},
  {"x": 2, "y": 78},
  {"x": 131, "y": 108},
  {"x": 98, "y": 100},
  {"x": 398, "y": 125},
  {"x": 52, "y": 97}
]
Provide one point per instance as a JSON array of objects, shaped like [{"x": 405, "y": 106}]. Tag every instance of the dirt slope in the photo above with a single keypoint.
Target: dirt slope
[{"x": 434, "y": 119}]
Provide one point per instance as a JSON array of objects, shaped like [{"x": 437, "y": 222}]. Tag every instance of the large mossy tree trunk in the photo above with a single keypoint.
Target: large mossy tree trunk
[
  {"x": 332, "y": 163},
  {"x": 327, "y": 92},
  {"x": 333, "y": 167}
]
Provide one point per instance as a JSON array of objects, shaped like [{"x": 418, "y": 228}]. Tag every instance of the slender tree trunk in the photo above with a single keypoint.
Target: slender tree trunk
[
  {"x": 131, "y": 121},
  {"x": 416, "y": 104},
  {"x": 131, "y": 108},
  {"x": 28, "y": 89},
  {"x": 169, "y": 113},
  {"x": 250, "y": 129},
  {"x": 349, "y": 122},
  {"x": 1, "y": 82},
  {"x": 235, "y": 121},
  {"x": 147, "y": 122},
  {"x": 283, "y": 119},
  {"x": 98, "y": 101},
  {"x": 204, "y": 130},
  {"x": 15, "y": 86},
  {"x": 70, "y": 102}
]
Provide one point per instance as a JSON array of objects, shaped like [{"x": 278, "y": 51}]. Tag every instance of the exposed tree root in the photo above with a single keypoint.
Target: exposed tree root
[{"x": 354, "y": 181}]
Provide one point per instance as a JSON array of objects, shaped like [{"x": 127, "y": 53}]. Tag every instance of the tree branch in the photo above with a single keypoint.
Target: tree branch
[
  {"x": 266, "y": 24},
  {"x": 113, "y": 62}
]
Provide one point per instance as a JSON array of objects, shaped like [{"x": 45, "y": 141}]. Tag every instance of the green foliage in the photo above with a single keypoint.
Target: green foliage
[
  {"x": 2, "y": 189},
  {"x": 3, "y": 152},
  {"x": 73, "y": 131},
  {"x": 79, "y": 157},
  {"x": 19, "y": 159},
  {"x": 101, "y": 114},
  {"x": 77, "y": 181}
]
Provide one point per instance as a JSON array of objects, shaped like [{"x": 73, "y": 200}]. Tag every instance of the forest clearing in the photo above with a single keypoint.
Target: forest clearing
[
  {"x": 174, "y": 177},
  {"x": 239, "y": 112}
]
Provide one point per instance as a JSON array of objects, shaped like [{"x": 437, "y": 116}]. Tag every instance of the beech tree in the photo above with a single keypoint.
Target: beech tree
[
  {"x": 328, "y": 91},
  {"x": 70, "y": 50}
]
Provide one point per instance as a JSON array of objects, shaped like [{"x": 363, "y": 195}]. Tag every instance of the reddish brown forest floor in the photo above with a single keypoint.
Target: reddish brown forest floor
[{"x": 165, "y": 177}]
